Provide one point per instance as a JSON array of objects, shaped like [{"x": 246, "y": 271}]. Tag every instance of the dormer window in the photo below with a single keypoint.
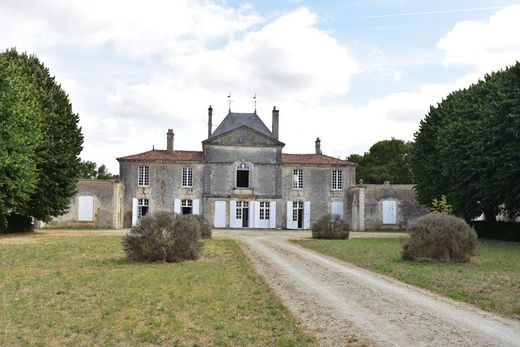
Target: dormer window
[{"x": 243, "y": 176}]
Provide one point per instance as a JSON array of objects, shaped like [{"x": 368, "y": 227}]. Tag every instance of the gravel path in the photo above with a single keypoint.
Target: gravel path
[{"x": 343, "y": 304}]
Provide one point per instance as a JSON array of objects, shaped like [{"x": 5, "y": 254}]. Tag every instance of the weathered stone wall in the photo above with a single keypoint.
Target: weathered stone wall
[
  {"x": 366, "y": 205},
  {"x": 317, "y": 188},
  {"x": 108, "y": 205},
  {"x": 164, "y": 187}
]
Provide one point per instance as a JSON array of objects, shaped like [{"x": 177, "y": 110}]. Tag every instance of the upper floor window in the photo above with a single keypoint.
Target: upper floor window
[
  {"x": 297, "y": 182},
  {"x": 187, "y": 206},
  {"x": 143, "y": 176},
  {"x": 243, "y": 176},
  {"x": 337, "y": 179},
  {"x": 187, "y": 177}
]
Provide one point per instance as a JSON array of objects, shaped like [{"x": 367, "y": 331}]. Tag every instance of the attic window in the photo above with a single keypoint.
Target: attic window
[{"x": 243, "y": 176}]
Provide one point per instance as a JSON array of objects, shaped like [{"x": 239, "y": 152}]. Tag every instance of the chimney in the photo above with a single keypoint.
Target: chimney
[
  {"x": 274, "y": 126},
  {"x": 318, "y": 146},
  {"x": 169, "y": 141},
  {"x": 210, "y": 120}
]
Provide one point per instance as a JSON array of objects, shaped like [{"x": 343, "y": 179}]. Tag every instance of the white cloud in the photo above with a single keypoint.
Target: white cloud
[{"x": 488, "y": 45}]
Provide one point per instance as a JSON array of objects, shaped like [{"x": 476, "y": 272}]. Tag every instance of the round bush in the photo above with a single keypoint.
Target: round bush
[
  {"x": 439, "y": 236},
  {"x": 330, "y": 226},
  {"x": 163, "y": 237}
]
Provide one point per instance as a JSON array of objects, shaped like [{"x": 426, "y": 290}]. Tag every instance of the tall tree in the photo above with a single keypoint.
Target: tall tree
[
  {"x": 20, "y": 134},
  {"x": 468, "y": 147},
  {"x": 386, "y": 160},
  {"x": 57, "y": 153}
]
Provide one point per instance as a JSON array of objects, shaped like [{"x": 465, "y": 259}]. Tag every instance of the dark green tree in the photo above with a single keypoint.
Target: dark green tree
[
  {"x": 57, "y": 153},
  {"x": 88, "y": 170},
  {"x": 386, "y": 160},
  {"x": 20, "y": 135},
  {"x": 468, "y": 147}
]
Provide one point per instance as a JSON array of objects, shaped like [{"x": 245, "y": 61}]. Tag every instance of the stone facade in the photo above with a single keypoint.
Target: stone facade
[
  {"x": 97, "y": 203},
  {"x": 241, "y": 178}
]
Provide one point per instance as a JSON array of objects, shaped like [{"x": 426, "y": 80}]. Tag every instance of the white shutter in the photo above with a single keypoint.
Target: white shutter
[
  {"x": 307, "y": 215},
  {"x": 272, "y": 215},
  {"x": 233, "y": 223},
  {"x": 196, "y": 206},
  {"x": 177, "y": 206},
  {"x": 134, "y": 211},
  {"x": 289, "y": 215},
  {"x": 389, "y": 215},
  {"x": 337, "y": 208},
  {"x": 255, "y": 213},
  {"x": 85, "y": 208},
  {"x": 220, "y": 214}
]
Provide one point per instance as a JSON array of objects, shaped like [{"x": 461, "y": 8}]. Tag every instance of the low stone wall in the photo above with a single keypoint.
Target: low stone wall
[{"x": 106, "y": 197}]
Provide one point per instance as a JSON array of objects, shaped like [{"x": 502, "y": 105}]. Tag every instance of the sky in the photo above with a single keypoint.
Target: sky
[{"x": 350, "y": 72}]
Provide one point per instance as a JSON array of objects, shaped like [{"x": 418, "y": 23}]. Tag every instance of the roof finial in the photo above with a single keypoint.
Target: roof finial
[
  {"x": 254, "y": 101},
  {"x": 229, "y": 101}
]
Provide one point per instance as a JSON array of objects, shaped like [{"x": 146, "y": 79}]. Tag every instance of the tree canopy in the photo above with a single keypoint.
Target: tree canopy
[
  {"x": 468, "y": 147},
  {"x": 90, "y": 170},
  {"x": 40, "y": 139},
  {"x": 386, "y": 160}
]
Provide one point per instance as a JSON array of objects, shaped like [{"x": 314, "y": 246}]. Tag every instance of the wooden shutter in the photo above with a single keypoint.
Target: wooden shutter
[
  {"x": 196, "y": 206},
  {"x": 134, "y": 211},
  {"x": 177, "y": 206},
  {"x": 307, "y": 215},
  {"x": 272, "y": 215}
]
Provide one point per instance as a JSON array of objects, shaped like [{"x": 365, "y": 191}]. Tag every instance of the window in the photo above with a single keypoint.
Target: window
[
  {"x": 240, "y": 206},
  {"x": 297, "y": 210},
  {"x": 337, "y": 179},
  {"x": 143, "y": 206},
  {"x": 143, "y": 179},
  {"x": 187, "y": 177},
  {"x": 264, "y": 210},
  {"x": 243, "y": 176},
  {"x": 187, "y": 206},
  {"x": 297, "y": 182}
]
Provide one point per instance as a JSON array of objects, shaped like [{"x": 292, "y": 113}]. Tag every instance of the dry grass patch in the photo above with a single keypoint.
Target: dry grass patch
[
  {"x": 83, "y": 291},
  {"x": 491, "y": 281}
]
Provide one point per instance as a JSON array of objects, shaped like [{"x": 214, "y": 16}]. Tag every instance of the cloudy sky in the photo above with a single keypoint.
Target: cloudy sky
[{"x": 351, "y": 72}]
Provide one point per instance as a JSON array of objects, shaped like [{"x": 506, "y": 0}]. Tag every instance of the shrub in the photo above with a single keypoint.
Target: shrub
[
  {"x": 330, "y": 226},
  {"x": 504, "y": 231},
  {"x": 439, "y": 236},
  {"x": 163, "y": 237},
  {"x": 17, "y": 224},
  {"x": 205, "y": 227}
]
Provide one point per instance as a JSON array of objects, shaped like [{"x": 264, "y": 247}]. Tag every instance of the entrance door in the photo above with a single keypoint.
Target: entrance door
[
  {"x": 389, "y": 212},
  {"x": 298, "y": 214},
  {"x": 220, "y": 214},
  {"x": 245, "y": 217}
]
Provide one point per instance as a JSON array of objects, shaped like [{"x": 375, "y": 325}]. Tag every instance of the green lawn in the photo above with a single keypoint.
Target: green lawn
[
  {"x": 80, "y": 290},
  {"x": 491, "y": 281}
]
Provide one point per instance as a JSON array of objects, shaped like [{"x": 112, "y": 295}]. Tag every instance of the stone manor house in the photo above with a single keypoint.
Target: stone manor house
[{"x": 241, "y": 179}]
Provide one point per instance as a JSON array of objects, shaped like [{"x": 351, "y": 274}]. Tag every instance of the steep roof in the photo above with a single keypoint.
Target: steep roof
[
  {"x": 318, "y": 159},
  {"x": 163, "y": 155},
  {"x": 235, "y": 120}
]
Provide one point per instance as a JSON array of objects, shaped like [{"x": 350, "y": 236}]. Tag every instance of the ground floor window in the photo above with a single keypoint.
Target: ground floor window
[
  {"x": 187, "y": 206},
  {"x": 298, "y": 213},
  {"x": 242, "y": 212},
  {"x": 143, "y": 207},
  {"x": 264, "y": 210}
]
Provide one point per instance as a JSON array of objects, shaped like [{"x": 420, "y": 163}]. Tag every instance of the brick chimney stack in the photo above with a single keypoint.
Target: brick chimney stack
[
  {"x": 318, "y": 146},
  {"x": 169, "y": 141},
  {"x": 210, "y": 120},
  {"x": 274, "y": 126}
]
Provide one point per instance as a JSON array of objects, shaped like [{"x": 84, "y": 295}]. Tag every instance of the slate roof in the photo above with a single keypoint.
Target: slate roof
[
  {"x": 317, "y": 159},
  {"x": 235, "y": 120},
  {"x": 163, "y": 155}
]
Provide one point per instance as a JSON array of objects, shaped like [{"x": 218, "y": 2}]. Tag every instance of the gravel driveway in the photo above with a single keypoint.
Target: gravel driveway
[{"x": 342, "y": 304}]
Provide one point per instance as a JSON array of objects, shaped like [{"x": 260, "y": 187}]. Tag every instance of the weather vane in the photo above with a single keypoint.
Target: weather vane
[
  {"x": 254, "y": 101},
  {"x": 229, "y": 101}
]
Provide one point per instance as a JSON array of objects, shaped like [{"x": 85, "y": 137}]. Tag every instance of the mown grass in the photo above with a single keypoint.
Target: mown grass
[
  {"x": 82, "y": 291},
  {"x": 491, "y": 281}
]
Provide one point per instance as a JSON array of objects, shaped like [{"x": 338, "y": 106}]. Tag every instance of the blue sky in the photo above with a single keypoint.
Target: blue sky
[{"x": 350, "y": 72}]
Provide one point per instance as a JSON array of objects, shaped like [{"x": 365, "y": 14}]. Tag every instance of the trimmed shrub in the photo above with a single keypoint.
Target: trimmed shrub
[
  {"x": 439, "y": 236},
  {"x": 205, "y": 227},
  {"x": 163, "y": 237},
  {"x": 330, "y": 226},
  {"x": 17, "y": 224}
]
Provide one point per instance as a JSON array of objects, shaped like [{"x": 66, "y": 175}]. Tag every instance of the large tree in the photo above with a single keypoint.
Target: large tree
[
  {"x": 386, "y": 160},
  {"x": 56, "y": 155},
  {"x": 468, "y": 147},
  {"x": 20, "y": 134}
]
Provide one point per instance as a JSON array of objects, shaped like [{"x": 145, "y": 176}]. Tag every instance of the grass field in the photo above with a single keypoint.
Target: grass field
[
  {"x": 80, "y": 290},
  {"x": 491, "y": 281}
]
